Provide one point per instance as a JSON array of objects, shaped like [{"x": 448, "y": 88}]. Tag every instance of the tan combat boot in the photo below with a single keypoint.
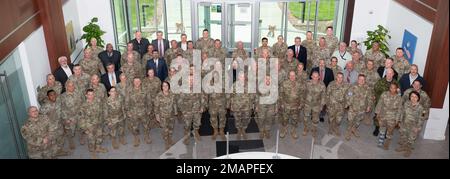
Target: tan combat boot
[
  {"x": 386, "y": 144},
  {"x": 337, "y": 129},
  {"x": 407, "y": 150},
  {"x": 100, "y": 149},
  {"x": 187, "y": 137},
  {"x": 71, "y": 143},
  {"x": 61, "y": 152},
  {"x": 355, "y": 132},
  {"x": 91, "y": 148},
  {"x": 222, "y": 134},
  {"x": 283, "y": 131},
  {"x": 197, "y": 136},
  {"x": 314, "y": 132},
  {"x": 136, "y": 141},
  {"x": 261, "y": 134},
  {"x": 267, "y": 134},
  {"x": 294, "y": 133},
  {"x": 147, "y": 138},
  {"x": 348, "y": 134},
  {"x": 400, "y": 148},
  {"x": 305, "y": 130},
  {"x": 244, "y": 135},
  {"x": 122, "y": 140},
  {"x": 214, "y": 136},
  {"x": 82, "y": 139},
  {"x": 115, "y": 145}
]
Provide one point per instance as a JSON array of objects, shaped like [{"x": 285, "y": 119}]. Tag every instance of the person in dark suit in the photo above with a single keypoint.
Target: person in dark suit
[
  {"x": 111, "y": 78},
  {"x": 159, "y": 65},
  {"x": 160, "y": 44},
  {"x": 299, "y": 51},
  {"x": 407, "y": 79},
  {"x": 110, "y": 56},
  {"x": 387, "y": 64},
  {"x": 183, "y": 43},
  {"x": 63, "y": 72},
  {"x": 140, "y": 44},
  {"x": 326, "y": 74}
]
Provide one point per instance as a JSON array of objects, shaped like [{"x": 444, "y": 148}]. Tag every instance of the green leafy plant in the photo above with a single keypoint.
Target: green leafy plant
[
  {"x": 380, "y": 35},
  {"x": 92, "y": 30}
]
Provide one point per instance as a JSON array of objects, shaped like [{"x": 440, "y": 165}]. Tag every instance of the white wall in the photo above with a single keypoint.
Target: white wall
[
  {"x": 35, "y": 63},
  {"x": 70, "y": 11},
  {"x": 401, "y": 18},
  {"x": 366, "y": 16},
  {"x": 437, "y": 121},
  {"x": 81, "y": 12}
]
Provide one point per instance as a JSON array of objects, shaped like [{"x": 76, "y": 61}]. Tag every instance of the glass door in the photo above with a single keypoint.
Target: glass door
[
  {"x": 239, "y": 25},
  {"x": 209, "y": 16}
]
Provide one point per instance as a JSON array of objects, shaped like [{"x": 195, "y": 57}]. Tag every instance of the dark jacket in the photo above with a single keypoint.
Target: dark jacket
[
  {"x": 107, "y": 83},
  {"x": 161, "y": 70},
  {"x": 61, "y": 76},
  {"x": 405, "y": 83},
  {"x": 140, "y": 47},
  {"x": 301, "y": 56},
  {"x": 114, "y": 59},
  {"x": 329, "y": 77}
]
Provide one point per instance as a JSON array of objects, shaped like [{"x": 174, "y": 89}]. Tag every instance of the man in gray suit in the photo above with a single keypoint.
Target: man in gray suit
[
  {"x": 160, "y": 44},
  {"x": 350, "y": 74}
]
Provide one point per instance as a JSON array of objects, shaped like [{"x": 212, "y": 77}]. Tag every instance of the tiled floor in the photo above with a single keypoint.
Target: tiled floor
[{"x": 328, "y": 147}]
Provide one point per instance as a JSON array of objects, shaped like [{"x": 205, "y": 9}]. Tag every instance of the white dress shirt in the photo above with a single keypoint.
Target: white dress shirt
[{"x": 67, "y": 71}]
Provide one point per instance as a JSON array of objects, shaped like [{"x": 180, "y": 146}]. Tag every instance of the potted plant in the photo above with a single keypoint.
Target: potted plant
[
  {"x": 379, "y": 35},
  {"x": 92, "y": 30}
]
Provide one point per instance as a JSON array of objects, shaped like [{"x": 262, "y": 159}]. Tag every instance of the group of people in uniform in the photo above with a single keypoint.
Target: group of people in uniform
[{"x": 139, "y": 97}]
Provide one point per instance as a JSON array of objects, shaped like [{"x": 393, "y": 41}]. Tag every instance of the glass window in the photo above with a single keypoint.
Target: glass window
[
  {"x": 270, "y": 21},
  {"x": 179, "y": 20},
  {"x": 121, "y": 24}
]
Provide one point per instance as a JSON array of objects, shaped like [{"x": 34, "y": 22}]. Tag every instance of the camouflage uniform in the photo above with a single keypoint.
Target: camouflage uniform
[
  {"x": 401, "y": 65},
  {"x": 220, "y": 54},
  {"x": 282, "y": 76},
  {"x": 265, "y": 114},
  {"x": 189, "y": 55},
  {"x": 425, "y": 100},
  {"x": 377, "y": 57},
  {"x": 34, "y": 133},
  {"x": 332, "y": 43},
  {"x": 352, "y": 51},
  {"x": 123, "y": 90},
  {"x": 95, "y": 51},
  {"x": 292, "y": 96},
  {"x": 358, "y": 66},
  {"x": 99, "y": 91},
  {"x": 310, "y": 45},
  {"x": 358, "y": 99},
  {"x": 241, "y": 105},
  {"x": 145, "y": 58},
  {"x": 335, "y": 108},
  {"x": 388, "y": 110},
  {"x": 314, "y": 102},
  {"x": 413, "y": 117},
  {"x": 136, "y": 56},
  {"x": 138, "y": 106},
  {"x": 70, "y": 107},
  {"x": 191, "y": 106},
  {"x": 372, "y": 77},
  {"x": 91, "y": 123},
  {"x": 132, "y": 70},
  {"x": 279, "y": 50},
  {"x": 319, "y": 53},
  {"x": 81, "y": 83},
  {"x": 204, "y": 44},
  {"x": 92, "y": 66},
  {"x": 290, "y": 66},
  {"x": 171, "y": 54},
  {"x": 259, "y": 51},
  {"x": 302, "y": 78},
  {"x": 239, "y": 53},
  {"x": 114, "y": 112},
  {"x": 165, "y": 107},
  {"x": 42, "y": 91},
  {"x": 217, "y": 104},
  {"x": 53, "y": 111}
]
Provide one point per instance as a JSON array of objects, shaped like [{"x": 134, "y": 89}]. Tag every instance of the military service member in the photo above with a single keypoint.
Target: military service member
[
  {"x": 91, "y": 123},
  {"x": 290, "y": 64},
  {"x": 279, "y": 49},
  {"x": 70, "y": 106},
  {"x": 114, "y": 111},
  {"x": 333, "y": 66},
  {"x": 95, "y": 50},
  {"x": 320, "y": 52},
  {"x": 388, "y": 110},
  {"x": 292, "y": 96},
  {"x": 191, "y": 106},
  {"x": 90, "y": 65},
  {"x": 376, "y": 55},
  {"x": 380, "y": 87},
  {"x": 132, "y": 68},
  {"x": 240, "y": 52},
  {"x": 52, "y": 84},
  {"x": 359, "y": 101},
  {"x": 36, "y": 132},
  {"x": 205, "y": 43},
  {"x": 259, "y": 50},
  {"x": 310, "y": 45},
  {"x": 265, "y": 113},
  {"x": 425, "y": 100},
  {"x": 336, "y": 92},
  {"x": 172, "y": 53},
  {"x": 165, "y": 108},
  {"x": 241, "y": 104},
  {"x": 136, "y": 55},
  {"x": 217, "y": 104},
  {"x": 401, "y": 65},
  {"x": 331, "y": 39},
  {"x": 138, "y": 104},
  {"x": 314, "y": 103},
  {"x": 218, "y": 52},
  {"x": 80, "y": 80},
  {"x": 413, "y": 117}
]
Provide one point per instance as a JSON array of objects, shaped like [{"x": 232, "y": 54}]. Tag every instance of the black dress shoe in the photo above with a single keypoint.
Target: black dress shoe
[
  {"x": 376, "y": 131},
  {"x": 321, "y": 119}
]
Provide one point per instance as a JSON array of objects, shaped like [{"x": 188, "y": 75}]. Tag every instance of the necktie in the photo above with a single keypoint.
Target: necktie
[
  {"x": 348, "y": 76},
  {"x": 109, "y": 54},
  {"x": 297, "y": 51},
  {"x": 322, "y": 76},
  {"x": 113, "y": 82},
  {"x": 161, "y": 48},
  {"x": 156, "y": 67}
]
